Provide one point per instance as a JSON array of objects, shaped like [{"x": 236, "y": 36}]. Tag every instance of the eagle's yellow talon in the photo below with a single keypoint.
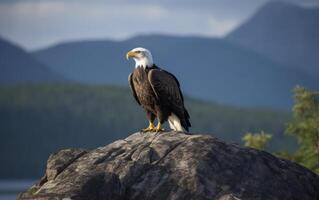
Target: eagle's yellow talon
[
  {"x": 150, "y": 128},
  {"x": 158, "y": 128}
]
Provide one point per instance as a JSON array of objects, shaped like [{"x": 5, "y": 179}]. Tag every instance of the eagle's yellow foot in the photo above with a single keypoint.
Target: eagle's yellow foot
[
  {"x": 150, "y": 128},
  {"x": 159, "y": 128}
]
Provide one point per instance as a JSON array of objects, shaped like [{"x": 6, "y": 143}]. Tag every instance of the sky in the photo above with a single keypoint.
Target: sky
[{"x": 35, "y": 24}]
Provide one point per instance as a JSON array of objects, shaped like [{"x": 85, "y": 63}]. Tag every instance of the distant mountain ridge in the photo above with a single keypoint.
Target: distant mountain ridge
[
  {"x": 284, "y": 32},
  {"x": 16, "y": 66},
  {"x": 210, "y": 69}
]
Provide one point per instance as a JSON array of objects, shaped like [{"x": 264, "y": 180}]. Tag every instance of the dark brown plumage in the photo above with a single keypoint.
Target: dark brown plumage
[{"x": 159, "y": 93}]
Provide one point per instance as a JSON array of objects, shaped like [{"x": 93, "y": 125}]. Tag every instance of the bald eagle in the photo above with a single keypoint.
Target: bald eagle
[{"x": 158, "y": 92}]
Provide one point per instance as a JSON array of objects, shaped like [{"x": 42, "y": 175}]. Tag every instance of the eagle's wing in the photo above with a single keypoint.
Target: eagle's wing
[
  {"x": 167, "y": 90},
  {"x": 130, "y": 81}
]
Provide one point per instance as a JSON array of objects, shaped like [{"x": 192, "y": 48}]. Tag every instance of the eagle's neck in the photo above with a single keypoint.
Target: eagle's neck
[{"x": 144, "y": 62}]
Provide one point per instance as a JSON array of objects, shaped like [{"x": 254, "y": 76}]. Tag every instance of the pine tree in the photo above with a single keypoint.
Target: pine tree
[{"x": 305, "y": 127}]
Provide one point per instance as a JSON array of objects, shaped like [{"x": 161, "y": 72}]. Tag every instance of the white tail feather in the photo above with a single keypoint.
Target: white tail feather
[{"x": 175, "y": 123}]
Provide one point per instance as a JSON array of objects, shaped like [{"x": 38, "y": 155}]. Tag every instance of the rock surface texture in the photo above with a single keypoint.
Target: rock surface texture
[{"x": 172, "y": 166}]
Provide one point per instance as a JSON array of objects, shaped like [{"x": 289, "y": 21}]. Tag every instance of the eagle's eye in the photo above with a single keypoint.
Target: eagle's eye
[{"x": 137, "y": 51}]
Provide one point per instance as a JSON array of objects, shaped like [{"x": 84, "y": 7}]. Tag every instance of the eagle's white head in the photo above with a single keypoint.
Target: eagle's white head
[{"x": 142, "y": 57}]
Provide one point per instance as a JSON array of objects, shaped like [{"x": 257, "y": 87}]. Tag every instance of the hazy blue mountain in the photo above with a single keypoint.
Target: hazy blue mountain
[
  {"x": 210, "y": 69},
  {"x": 285, "y": 33},
  {"x": 16, "y": 65}
]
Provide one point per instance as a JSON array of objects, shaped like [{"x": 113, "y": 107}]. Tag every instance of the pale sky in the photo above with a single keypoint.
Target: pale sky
[{"x": 38, "y": 23}]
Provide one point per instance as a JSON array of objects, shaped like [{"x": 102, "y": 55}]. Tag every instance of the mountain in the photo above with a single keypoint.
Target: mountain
[
  {"x": 210, "y": 69},
  {"x": 16, "y": 66},
  {"x": 285, "y": 33},
  {"x": 172, "y": 166},
  {"x": 54, "y": 116}
]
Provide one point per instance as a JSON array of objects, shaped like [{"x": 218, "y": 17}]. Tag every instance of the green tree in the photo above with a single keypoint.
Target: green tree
[
  {"x": 257, "y": 140},
  {"x": 305, "y": 127}
]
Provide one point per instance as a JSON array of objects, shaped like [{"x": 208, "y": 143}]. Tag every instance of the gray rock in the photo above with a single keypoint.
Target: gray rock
[{"x": 172, "y": 166}]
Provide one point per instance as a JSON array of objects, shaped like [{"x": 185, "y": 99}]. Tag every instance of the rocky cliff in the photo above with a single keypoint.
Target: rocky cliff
[{"x": 170, "y": 165}]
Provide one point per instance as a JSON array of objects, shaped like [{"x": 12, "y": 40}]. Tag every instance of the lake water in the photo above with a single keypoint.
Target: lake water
[{"x": 10, "y": 189}]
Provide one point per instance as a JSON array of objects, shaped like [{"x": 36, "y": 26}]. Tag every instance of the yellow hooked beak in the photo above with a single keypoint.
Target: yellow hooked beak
[{"x": 130, "y": 54}]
